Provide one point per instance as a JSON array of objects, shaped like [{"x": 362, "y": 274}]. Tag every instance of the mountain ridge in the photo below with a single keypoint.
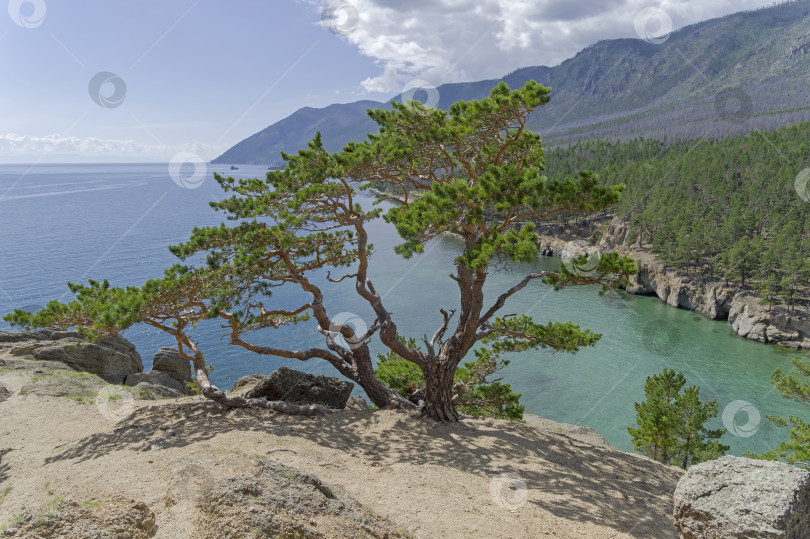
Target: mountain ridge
[{"x": 716, "y": 78}]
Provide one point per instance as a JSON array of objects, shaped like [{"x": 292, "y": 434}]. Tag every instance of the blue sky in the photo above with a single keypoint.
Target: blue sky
[{"x": 201, "y": 75}]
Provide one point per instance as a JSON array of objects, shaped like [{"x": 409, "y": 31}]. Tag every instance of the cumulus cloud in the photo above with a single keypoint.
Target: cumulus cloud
[
  {"x": 458, "y": 40},
  {"x": 14, "y": 145}
]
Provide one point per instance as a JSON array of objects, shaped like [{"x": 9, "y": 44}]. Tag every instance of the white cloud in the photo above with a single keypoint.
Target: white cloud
[
  {"x": 52, "y": 147},
  {"x": 459, "y": 40}
]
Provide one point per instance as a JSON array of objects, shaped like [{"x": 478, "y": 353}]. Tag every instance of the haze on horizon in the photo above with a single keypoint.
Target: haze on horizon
[{"x": 124, "y": 82}]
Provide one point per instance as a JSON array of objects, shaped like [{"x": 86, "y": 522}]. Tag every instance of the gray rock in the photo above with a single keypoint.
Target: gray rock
[
  {"x": 145, "y": 390},
  {"x": 169, "y": 361},
  {"x": 357, "y": 403},
  {"x": 302, "y": 388},
  {"x": 741, "y": 497},
  {"x": 246, "y": 383},
  {"x": 4, "y": 393},
  {"x": 26, "y": 348},
  {"x": 157, "y": 379},
  {"x": 47, "y": 334},
  {"x": 111, "y": 358}
]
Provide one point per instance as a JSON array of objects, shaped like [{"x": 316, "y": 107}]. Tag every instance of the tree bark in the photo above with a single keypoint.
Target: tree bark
[{"x": 438, "y": 404}]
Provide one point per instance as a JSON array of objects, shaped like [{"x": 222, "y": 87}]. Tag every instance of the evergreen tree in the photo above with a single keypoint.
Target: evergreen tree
[
  {"x": 671, "y": 422},
  {"x": 795, "y": 386}
]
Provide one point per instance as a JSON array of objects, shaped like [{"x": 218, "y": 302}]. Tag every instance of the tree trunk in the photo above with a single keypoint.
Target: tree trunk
[
  {"x": 439, "y": 392},
  {"x": 383, "y": 396}
]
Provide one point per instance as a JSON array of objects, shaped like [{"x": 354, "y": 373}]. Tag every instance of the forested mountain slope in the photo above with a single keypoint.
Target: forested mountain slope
[
  {"x": 717, "y": 78},
  {"x": 737, "y": 208}
]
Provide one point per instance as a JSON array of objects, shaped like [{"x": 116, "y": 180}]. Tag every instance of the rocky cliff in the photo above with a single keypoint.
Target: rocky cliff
[{"x": 711, "y": 297}]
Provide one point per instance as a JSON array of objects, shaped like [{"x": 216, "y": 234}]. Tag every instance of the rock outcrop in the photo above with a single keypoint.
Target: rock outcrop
[
  {"x": 46, "y": 334},
  {"x": 741, "y": 497},
  {"x": 169, "y": 361},
  {"x": 168, "y": 378},
  {"x": 301, "y": 388},
  {"x": 155, "y": 384},
  {"x": 710, "y": 297},
  {"x": 112, "y": 358},
  {"x": 246, "y": 383}
]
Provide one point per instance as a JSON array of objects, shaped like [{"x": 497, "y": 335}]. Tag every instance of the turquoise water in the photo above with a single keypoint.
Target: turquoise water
[{"x": 72, "y": 222}]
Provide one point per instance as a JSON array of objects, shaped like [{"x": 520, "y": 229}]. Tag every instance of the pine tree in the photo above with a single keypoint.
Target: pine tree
[
  {"x": 671, "y": 424},
  {"x": 795, "y": 386}
]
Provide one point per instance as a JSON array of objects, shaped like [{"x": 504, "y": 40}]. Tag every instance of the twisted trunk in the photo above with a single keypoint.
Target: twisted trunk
[
  {"x": 438, "y": 404},
  {"x": 380, "y": 394}
]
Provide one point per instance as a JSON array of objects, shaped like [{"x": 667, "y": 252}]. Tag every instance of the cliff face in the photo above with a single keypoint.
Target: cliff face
[{"x": 710, "y": 297}]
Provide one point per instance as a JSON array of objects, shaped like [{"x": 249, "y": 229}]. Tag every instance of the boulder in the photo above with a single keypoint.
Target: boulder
[
  {"x": 302, "y": 388},
  {"x": 159, "y": 382},
  {"x": 357, "y": 403},
  {"x": 111, "y": 358},
  {"x": 742, "y": 497},
  {"x": 168, "y": 360},
  {"x": 4, "y": 393},
  {"x": 246, "y": 383}
]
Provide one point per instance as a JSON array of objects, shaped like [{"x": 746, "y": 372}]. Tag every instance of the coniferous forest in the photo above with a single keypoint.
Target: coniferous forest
[{"x": 736, "y": 208}]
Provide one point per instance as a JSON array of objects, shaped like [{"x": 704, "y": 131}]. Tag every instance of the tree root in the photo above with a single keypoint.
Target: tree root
[{"x": 229, "y": 401}]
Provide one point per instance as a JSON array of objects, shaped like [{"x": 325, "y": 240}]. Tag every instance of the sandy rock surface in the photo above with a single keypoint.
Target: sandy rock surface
[{"x": 477, "y": 478}]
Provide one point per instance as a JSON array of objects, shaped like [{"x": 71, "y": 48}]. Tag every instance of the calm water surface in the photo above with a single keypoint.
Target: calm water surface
[{"x": 73, "y": 222}]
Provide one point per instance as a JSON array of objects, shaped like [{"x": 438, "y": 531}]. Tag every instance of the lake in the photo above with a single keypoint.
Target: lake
[{"x": 73, "y": 222}]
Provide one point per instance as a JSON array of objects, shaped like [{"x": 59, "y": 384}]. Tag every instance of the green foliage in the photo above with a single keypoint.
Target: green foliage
[
  {"x": 795, "y": 386},
  {"x": 477, "y": 394},
  {"x": 670, "y": 422},
  {"x": 99, "y": 308},
  {"x": 719, "y": 208}
]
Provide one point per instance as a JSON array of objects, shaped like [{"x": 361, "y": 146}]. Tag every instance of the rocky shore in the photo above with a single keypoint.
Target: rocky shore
[{"x": 711, "y": 297}]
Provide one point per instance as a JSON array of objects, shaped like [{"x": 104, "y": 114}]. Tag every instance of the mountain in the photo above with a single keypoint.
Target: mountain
[{"x": 713, "y": 79}]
